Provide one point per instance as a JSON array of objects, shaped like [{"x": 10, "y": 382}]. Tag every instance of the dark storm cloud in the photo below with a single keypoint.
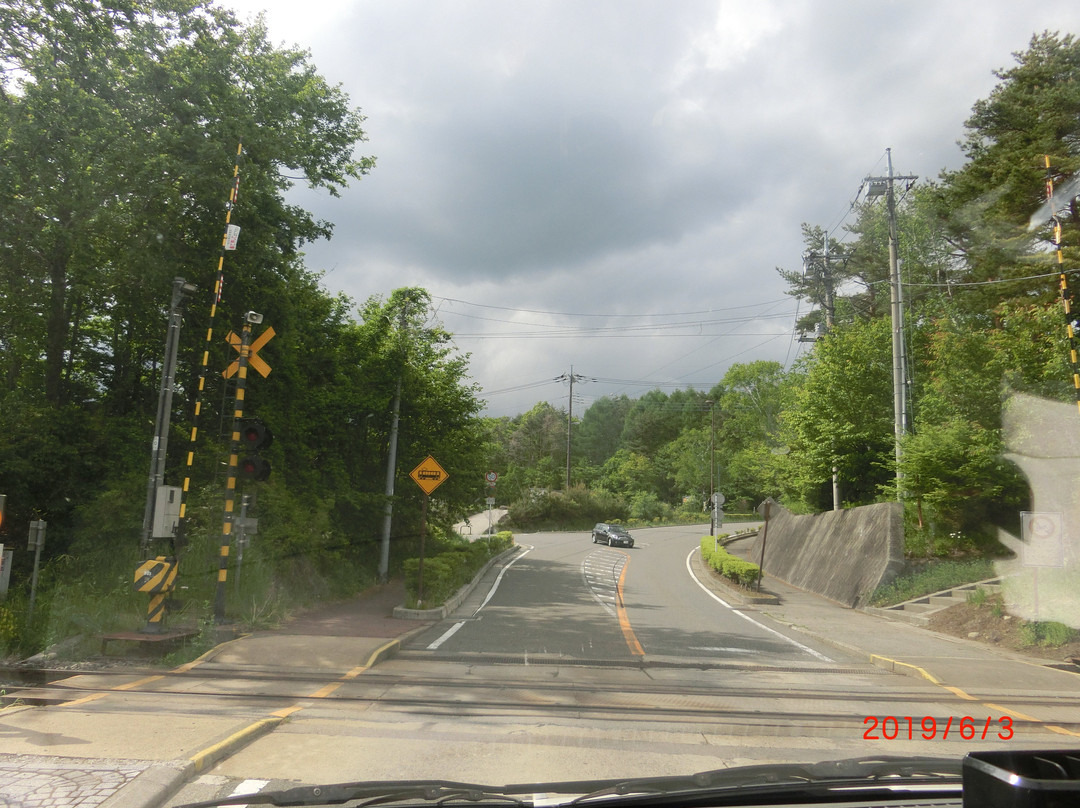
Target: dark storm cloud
[
  {"x": 550, "y": 153},
  {"x": 634, "y": 157}
]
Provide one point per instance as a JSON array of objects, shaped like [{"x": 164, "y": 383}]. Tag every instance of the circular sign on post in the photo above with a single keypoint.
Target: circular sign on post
[
  {"x": 718, "y": 499},
  {"x": 491, "y": 476}
]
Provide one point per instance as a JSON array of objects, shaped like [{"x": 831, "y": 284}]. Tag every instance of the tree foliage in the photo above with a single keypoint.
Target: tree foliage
[
  {"x": 983, "y": 317},
  {"x": 121, "y": 124}
]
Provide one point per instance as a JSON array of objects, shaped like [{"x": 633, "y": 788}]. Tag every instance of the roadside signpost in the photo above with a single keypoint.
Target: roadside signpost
[
  {"x": 429, "y": 475},
  {"x": 5, "y": 571},
  {"x": 5, "y": 555},
  {"x": 35, "y": 542},
  {"x": 491, "y": 477},
  {"x": 717, "y": 517},
  {"x": 1043, "y": 534}
]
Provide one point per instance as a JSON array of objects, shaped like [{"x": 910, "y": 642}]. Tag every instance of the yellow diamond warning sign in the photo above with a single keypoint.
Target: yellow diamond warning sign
[{"x": 429, "y": 475}]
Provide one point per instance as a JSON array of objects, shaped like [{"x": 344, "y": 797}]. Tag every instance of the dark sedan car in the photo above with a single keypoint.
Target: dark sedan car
[{"x": 612, "y": 535}]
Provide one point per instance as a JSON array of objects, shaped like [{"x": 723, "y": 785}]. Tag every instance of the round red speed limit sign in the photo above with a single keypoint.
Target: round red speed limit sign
[{"x": 491, "y": 476}]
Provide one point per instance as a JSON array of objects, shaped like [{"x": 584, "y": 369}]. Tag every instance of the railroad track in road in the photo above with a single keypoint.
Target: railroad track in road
[{"x": 656, "y": 701}]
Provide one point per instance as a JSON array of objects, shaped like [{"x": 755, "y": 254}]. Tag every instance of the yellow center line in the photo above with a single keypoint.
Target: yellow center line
[
  {"x": 958, "y": 692},
  {"x": 624, "y": 621}
]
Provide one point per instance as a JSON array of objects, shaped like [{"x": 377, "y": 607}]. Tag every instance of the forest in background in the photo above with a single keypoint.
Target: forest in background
[
  {"x": 121, "y": 122},
  {"x": 985, "y": 311}
]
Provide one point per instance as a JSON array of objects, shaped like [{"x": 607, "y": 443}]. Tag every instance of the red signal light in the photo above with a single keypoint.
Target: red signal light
[{"x": 254, "y": 435}]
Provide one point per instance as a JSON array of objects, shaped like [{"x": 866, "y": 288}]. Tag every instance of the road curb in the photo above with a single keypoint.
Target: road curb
[
  {"x": 151, "y": 787},
  {"x": 719, "y": 583},
  {"x": 161, "y": 781},
  {"x": 401, "y": 613},
  {"x": 391, "y": 648},
  {"x": 905, "y": 668},
  {"x": 201, "y": 761}
]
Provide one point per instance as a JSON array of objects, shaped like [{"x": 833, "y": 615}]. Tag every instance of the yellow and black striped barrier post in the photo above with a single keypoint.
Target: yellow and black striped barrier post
[
  {"x": 219, "y": 283},
  {"x": 1063, "y": 285},
  {"x": 231, "y": 475},
  {"x": 156, "y": 577}
]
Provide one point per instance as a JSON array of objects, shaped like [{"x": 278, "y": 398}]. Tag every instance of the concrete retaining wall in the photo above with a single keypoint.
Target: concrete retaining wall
[{"x": 843, "y": 555}]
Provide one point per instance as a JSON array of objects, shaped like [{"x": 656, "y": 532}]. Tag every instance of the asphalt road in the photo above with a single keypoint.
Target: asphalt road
[
  {"x": 566, "y": 597},
  {"x": 574, "y": 661}
]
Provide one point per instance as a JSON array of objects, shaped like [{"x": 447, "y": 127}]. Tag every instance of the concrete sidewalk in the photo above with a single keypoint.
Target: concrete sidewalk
[
  {"x": 969, "y": 669},
  {"x": 334, "y": 639}
]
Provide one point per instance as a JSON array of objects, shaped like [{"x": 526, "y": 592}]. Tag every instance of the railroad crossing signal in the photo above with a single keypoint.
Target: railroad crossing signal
[
  {"x": 254, "y": 360},
  {"x": 254, "y": 435},
  {"x": 429, "y": 475}
]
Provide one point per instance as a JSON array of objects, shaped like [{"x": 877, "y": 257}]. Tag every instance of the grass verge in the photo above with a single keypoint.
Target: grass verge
[{"x": 933, "y": 577}]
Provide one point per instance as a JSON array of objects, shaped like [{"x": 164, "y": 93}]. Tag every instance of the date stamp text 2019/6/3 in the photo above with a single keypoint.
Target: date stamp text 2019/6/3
[{"x": 928, "y": 728}]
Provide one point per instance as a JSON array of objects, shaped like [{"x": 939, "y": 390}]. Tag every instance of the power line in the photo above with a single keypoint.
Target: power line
[{"x": 593, "y": 314}]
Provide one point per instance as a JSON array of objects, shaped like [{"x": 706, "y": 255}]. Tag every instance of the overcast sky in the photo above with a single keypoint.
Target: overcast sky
[{"x": 609, "y": 185}]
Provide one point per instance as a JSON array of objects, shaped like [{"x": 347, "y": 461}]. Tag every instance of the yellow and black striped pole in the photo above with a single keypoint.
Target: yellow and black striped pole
[
  {"x": 156, "y": 577},
  {"x": 1063, "y": 284},
  {"x": 219, "y": 283},
  {"x": 231, "y": 475}
]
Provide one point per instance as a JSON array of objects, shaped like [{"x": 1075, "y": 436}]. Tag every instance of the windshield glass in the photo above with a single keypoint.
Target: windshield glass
[{"x": 509, "y": 393}]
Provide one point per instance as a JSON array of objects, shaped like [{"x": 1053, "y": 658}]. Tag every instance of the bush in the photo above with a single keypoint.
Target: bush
[
  {"x": 577, "y": 509},
  {"x": 1048, "y": 634},
  {"x": 448, "y": 571},
  {"x": 646, "y": 507},
  {"x": 744, "y": 573},
  {"x": 933, "y": 577}
]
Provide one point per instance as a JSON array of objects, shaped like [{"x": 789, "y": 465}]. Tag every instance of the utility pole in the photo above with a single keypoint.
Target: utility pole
[
  {"x": 830, "y": 318},
  {"x": 712, "y": 466},
  {"x": 826, "y": 277},
  {"x": 391, "y": 463},
  {"x": 391, "y": 470},
  {"x": 572, "y": 377},
  {"x": 159, "y": 448},
  {"x": 876, "y": 186}
]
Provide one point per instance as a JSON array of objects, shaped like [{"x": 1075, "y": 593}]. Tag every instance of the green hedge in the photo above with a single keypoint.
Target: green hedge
[
  {"x": 447, "y": 572},
  {"x": 744, "y": 573}
]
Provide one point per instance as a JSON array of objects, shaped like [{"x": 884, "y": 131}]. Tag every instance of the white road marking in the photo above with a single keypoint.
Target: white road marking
[
  {"x": 450, "y": 632},
  {"x": 762, "y": 626},
  {"x": 249, "y": 787},
  {"x": 502, "y": 572},
  {"x": 600, "y": 570}
]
